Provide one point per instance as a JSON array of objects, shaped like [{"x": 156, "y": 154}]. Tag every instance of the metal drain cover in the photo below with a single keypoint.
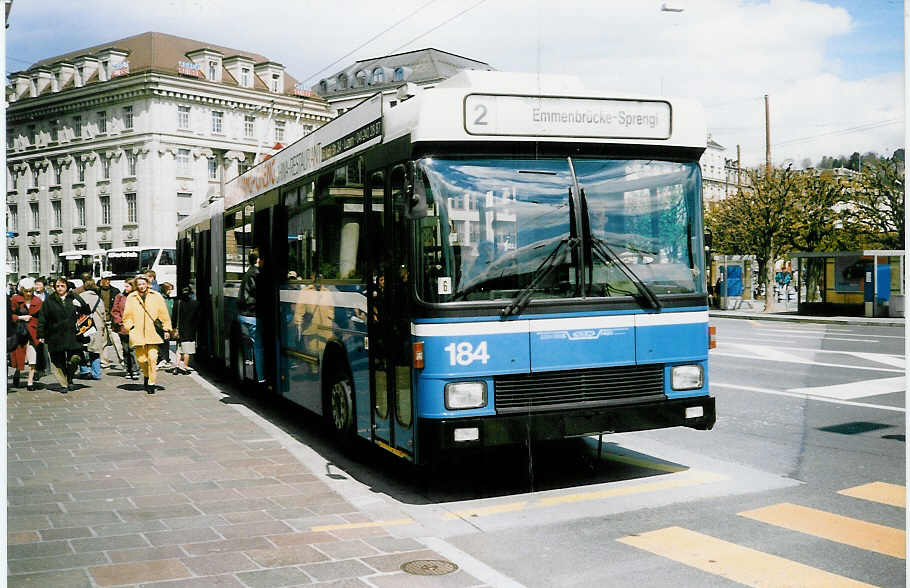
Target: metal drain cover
[{"x": 428, "y": 567}]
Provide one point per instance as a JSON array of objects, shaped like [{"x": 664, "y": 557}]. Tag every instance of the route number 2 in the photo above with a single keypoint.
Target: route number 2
[{"x": 465, "y": 354}]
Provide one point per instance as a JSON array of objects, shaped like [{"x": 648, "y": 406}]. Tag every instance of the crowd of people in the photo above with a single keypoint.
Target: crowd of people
[{"x": 56, "y": 328}]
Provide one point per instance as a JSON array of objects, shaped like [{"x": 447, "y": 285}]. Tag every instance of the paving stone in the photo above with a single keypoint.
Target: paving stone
[
  {"x": 458, "y": 579},
  {"x": 274, "y": 578},
  {"x": 333, "y": 508},
  {"x": 226, "y": 545},
  {"x": 207, "y": 565},
  {"x": 146, "y": 554},
  {"x": 170, "y": 511},
  {"x": 127, "y": 528},
  {"x": 236, "y": 505},
  {"x": 181, "y": 536},
  {"x": 153, "y": 500},
  {"x": 392, "y": 562},
  {"x": 250, "y": 516},
  {"x": 40, "y": 549},
  {"x": 195, "y": 522},
  {"x": 394, "y": 544},
  {"x": 253, "y": 529},
  {"x": 224, "y": 581},
  {"x": 24, "y": 510},
  {"x": 85, "y": 519},
  {"x": 103, "y": 505},
  {"x": 347, "y": 549},
  {"x": 29, "y": 523},
  {"x": 57, "y": 562},
  {"x": 70, "y": 578},
  {"x": 24, "y": 537},
  {"x": 137, "y": 572},
  {"x": 286, "y": 556},
  {"x": 361, "y": 533},
  {"x": 250, "y": 482},
  {"x": 302, "y": 538},
  {"x": 215, "y": 495},
  {"x": 108, "y": 543},
  {"x": 336, "y": 570}
]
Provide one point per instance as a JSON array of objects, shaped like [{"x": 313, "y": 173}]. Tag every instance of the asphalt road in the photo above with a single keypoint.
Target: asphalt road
[{"x": 801, "y": 482}]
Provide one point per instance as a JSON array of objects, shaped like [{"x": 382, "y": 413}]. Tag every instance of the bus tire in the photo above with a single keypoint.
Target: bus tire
[{"x": 340, "y": 402}]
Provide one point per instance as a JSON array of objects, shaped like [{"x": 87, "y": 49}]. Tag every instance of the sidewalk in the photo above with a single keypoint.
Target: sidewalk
[
  {"x": 108, "y": 486},
  {"x": 796, "y": 318}
]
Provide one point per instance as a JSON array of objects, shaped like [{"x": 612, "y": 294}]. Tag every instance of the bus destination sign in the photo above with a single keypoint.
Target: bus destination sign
[
  {"x": 358, "y": 137},
  {"x": 602, "y": 118}
]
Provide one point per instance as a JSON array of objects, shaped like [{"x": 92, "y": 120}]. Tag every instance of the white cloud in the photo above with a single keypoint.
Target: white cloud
[{"x": 725, "y": 53}]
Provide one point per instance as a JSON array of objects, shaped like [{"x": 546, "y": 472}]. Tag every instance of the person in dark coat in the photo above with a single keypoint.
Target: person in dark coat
[
  {"x": 57, "y": 329},
  {"x": 186, "y": 317}
]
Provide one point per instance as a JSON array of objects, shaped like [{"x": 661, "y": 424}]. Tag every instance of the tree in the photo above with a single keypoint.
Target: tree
[
  {"x": 757, "y": 221},
  {"x": 876, "y": 206},
  {"x": 898, "y": 155}
]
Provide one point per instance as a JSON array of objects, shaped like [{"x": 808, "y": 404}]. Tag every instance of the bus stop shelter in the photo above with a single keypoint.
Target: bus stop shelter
[{"x": 851, "y": 283}]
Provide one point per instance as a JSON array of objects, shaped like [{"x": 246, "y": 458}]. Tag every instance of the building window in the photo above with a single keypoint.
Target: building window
[
  {"x": 212, "y": 66},
  {"x": 105, "y": 168},
  {"x": 56, "y": 167},
  {"x": 342, "y": 82},
  {"x": 127, "y": 117},
  {"x": 80, "y": 212},
  {"x": 131, "y": 164},
  {"x": 56, "y": 250},
  {"x": 36, "y": 173},
  {"x": 36, "y": 259},
  {"x": 11, "y": 139},
  {"x": 399, "y": 74},
  {"x": 184, "y": 205},
  {"x": 279, "y": 130},
  {"x": 77, "y": 127},
  {"x": 55, "y": 132},
  {"x": 213, "y": 168},
  {"x": 132, "y": 214},
  {"x": 248, "y": 123},
  {"x": 378, "y": 76},
  {"x": 80, "y": 170},
  {"x": 245, "y": 77},
  {"x": 14, "y": 260},
  {"x": 36, "y": 216},
  {"x": 102, "y": 121},
  {"x": 13, "y": 219},
  {"x": 360, "y": 79},
  {"x": 32, "y": 135},
  {"x": 275, "y": 80},
  {"x": 183, "y": 162},
  {"x": 217, "y": 122},
  {"x": 183, "y": 117},
  {"x": 105, "y": 209},
  {"x": 57, "y": 209}
]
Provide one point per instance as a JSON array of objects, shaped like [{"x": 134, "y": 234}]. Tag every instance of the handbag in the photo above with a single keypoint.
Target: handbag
[
  {"x": 85, "y": 324},
  {"x": 159, "y": 326}
]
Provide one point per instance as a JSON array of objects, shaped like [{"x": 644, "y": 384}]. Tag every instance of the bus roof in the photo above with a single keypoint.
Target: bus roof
[{"x": 480, "y": 106}]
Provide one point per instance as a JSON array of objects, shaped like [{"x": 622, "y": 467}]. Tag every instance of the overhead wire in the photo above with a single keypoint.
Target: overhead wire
[
  {"x": 443, "y": 23},
  {"x": 370, "y": 40}
]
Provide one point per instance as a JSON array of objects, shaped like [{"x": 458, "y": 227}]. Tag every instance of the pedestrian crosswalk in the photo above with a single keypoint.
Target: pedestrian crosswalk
[{"x": 755, "y": 568}]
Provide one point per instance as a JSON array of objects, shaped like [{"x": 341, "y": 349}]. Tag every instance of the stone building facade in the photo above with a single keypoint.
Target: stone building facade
[{"x": 112, "y": 145}]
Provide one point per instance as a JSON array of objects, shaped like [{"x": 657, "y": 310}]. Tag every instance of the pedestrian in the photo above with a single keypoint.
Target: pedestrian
[
  {"x": 57, "y": 330},
  {"x": 44, "y": 360},
  {"x": 129, "y": 356},
  {"x": 108, "y": 294},
  {"x": 153, "y": 283},
  {"x": 145, "y": 317},
  {"x": 249, "y": 286},
  {"x": 25, "y": 307},
  {"x": 39, "y": 288},
  {"x": 97, "y": 340},
  {"x": 186, "y": 317},
  {"x": 164, "y": 352}
]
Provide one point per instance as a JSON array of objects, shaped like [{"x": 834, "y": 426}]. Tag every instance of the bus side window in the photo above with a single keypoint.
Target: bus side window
[
  {"x": 339, "y": 216},
  {"x": 233, "y": 246}
]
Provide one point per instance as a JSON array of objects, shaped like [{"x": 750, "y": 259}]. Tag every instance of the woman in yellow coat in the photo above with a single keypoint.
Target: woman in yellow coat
[{"x": 142, "y": 308}]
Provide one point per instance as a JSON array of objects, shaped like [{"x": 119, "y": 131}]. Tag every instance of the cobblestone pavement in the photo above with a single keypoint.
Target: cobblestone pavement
[{"x": 109, "y": 486}]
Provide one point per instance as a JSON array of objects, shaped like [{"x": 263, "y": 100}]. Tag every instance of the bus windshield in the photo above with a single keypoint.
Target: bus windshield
[
  {"x": 123, "y": 263},
  {"x": 500, "y": 227}
]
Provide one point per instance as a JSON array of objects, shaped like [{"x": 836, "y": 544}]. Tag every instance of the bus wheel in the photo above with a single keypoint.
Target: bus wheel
[{"x": 341, "y": 405}]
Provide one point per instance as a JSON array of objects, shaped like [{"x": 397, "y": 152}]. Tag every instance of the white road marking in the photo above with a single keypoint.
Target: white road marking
[
  {"x": 814, "y": 338},
  {"x": 809, "y": 397},
  {"x": 784, "y": 358},
  {"x": 828, "y": 332},
  {"x": 894, "y": 360},
  {"x": 856, "y": 389}
]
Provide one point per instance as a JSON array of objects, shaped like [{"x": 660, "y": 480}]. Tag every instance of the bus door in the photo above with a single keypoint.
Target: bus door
[
  {"x": 203, "y": 290},
  {"x": 390, "y": 339},
  {"x": 273, "y": 252}
]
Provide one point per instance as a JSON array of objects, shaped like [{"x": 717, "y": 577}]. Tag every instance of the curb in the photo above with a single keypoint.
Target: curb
[{"x": 859, "y": 321}]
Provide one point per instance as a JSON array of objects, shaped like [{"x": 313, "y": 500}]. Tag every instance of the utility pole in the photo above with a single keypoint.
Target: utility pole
[{"x": 767, "y": 138}]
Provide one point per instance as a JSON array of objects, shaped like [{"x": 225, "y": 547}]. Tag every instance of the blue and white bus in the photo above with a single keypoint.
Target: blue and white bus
[{"x": 500, "y": 258}]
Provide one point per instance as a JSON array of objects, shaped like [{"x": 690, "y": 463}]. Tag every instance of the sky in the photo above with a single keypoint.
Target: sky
[{"x": 833, "y": 69}]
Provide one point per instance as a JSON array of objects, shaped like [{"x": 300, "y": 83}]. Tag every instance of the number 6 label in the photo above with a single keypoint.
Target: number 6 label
[{"x": 464, "y": 353}]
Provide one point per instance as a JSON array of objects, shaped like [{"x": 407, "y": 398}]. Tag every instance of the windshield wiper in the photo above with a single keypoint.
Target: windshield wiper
[
  {"x": 543, "y": 270},
  {"x": 608, "y": 255}
]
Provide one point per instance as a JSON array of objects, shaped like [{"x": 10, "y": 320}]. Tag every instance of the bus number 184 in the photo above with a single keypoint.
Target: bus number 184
[{"x": 465, "y": 354}]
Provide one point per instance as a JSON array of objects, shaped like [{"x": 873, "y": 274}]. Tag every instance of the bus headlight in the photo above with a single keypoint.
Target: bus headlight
[
  {"x": 460, "y": 395},
  {"x": 687, "y": 377}
]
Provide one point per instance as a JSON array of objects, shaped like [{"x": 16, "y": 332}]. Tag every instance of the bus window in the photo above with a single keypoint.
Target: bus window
[
  {"x": 233, "y": 246},
  {"x": 400, "y": 284},
  {"x": 147, "y": 258},
  {"x": 168, "y": 257},
  {"x": 300, "y": 242},
  {"x": 339, "y": 216}
]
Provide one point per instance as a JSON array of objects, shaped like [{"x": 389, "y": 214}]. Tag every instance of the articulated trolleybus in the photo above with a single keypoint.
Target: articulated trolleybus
[{"x": 501, "y": 258}]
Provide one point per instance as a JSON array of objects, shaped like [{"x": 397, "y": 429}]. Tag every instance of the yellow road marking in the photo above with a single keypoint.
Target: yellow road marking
[
  {"x": 362, "y": 525},
  {"x": 487, "y": 510},
  {"x": 734, "y": 562},
  {"x": 869, "y": 536},
  {"x": 879, "y": 492},
  {"x": 695, "y": 478}
]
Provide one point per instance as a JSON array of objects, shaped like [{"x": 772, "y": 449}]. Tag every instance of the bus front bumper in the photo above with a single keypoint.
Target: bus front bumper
[{"x": 439, "y": 435}]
